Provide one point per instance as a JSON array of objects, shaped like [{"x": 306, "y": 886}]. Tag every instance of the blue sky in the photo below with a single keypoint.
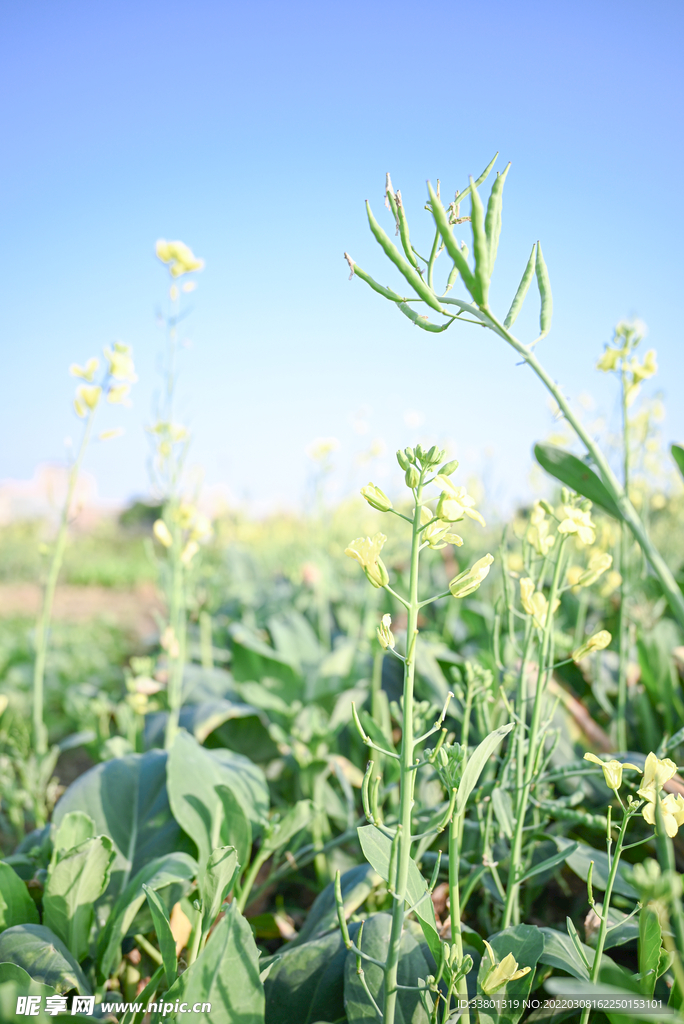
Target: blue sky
[{"x": 254, "y": 133}]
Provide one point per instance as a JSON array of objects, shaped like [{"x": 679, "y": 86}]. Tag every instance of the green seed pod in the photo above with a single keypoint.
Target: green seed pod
[
  {"x": 422, "y": 320},
  {"x": 445, "y": 230},
  {"x": 404, "y": 232},
  {"x": 480, "y": 244},
  {"x": 402, "y": 460},
  {"x": 449, "y": 468},
  {"x": 411, "y": 275},
  {"x": 412, "y": 477},
  {"x": 525, "y": 281},
  {"x": 546, "y": 311},
  {"x": 493, "y": 218}
]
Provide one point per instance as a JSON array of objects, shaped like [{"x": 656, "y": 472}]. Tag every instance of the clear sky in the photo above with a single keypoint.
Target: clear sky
[{"x": 254, "y": 132}]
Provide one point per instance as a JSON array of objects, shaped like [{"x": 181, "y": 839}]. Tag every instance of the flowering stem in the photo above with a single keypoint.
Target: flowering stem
[
  {"x": 407, "y": 774},
  {"x": 40, "y": 736}
]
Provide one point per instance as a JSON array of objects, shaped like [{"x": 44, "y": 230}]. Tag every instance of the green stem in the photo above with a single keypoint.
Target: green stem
[
  {"x": 623, "y": 625},
  {"x": 177, "y": 621},
  {"x": 673, "y": 594},
  {"x": 250, "y": 879},
  {"x": 512, "y": 895},
  {"x": 407, "y": 774},
  {"x": 455, "y": 835},
  {"x": 40, "y": 736}
]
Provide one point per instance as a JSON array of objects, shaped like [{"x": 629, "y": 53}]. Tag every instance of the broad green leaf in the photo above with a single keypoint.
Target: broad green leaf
[
  {"x": 678, "y": 456},
  {"x": 356, "y": 884},
  {"x": 576, "y": 475},
  {"x": 193, "y": 774},
  {"x": 43, "y": 955},
  {"x": 579, "y": 861},
  {"x": 526, "y": 943},
  {"x": 200, "y": 720},
  {"x": 307, "y": 983},
  {"x": 560, "y": 952},
  {"x": 225, "y": 975},
  {"x": 280, "y": 833},
  {"x": 476, "y": 762},
  {"x": 216, "y": 882},
  {"x": 15, "y": 982},
  {"x": 73, "y": 830},
  {"x": 171, "y": 875},
  {"x": 650, "y": 941},
  {"x": 550, "y": 862},
  {"x": 16, "y": 906},
  {"x": 503, "y": 811},
  {"x": 621, "y": 928},
  {"x": 255, "y": 660},
  {"x": 237, "y": 826},
  {"x": 377, "y": 849},
  {"x": 167, "y": 943},
  {"x": 412, "y": 968},
  {"x": 127, "y": 800},
  {"x": 75, "y": 881}
]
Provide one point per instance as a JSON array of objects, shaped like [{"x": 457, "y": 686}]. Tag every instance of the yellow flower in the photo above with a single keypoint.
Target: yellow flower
[
  {"x": 612, "y": 770},
  {"x": 656, "y": 774},
  {"x": 366, "y": 551},
  {"x": 201, "y": 527},
  {"x": 499, "y": 974},
  {"x": 534, "y": 602},
  {"x": 598, "y": 642},
  {"x": 87, "y": 397},
  {"x": 189, "y": 552},
  {"x": 609, "y": 359},
  {"x": 178, "y": 256},
  {"x": 579, "y": 522},
  {"x": 672, "y": 809},
  {"x": 162, "y": 533},
  {"x": 86, "y": 372},
  {"x": 376, "y": 498},
  {"x": 118, "y": 394},
  {"x": 455, "y": 502},
  {"x": 642, "y": 371},
  {"x": 598, "y": 564},
  {"x": 120, "y": 361},
  {"x": 385, "y": 635},
  {"x": 612, "y": 581},
  {"x": 539, "y": 537},
  {"x": 437, "y": 534},
  {"x": 467, "y": 582}
]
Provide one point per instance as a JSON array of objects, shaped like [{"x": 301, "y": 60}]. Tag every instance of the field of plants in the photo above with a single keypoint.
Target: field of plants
[{"x": 384, "y": 762}]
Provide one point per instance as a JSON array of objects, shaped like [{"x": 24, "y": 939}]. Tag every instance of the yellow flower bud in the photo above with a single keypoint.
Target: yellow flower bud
[
  {"x": 189, "y": 552},
  {"x": 385, "y": 635},
  {"x": 88, "y": 395},
  {"x": 376, "y": 498},
  {"x": 609, "y": 359},
  {"x": 120, "y": 362},
  {"x": 467, "y": 582},
  {"x": 366, "y": 551},
  {"x": 598, "y": 564},
  {"x": 118, "y": 394},
  {"x": 534, "y": 602},
  {"x": 109, "y": 435},
  {"x": 612, "y": 770},
  {"x": 598, "y": 642},
  {"x": 162, "y": 533},
  {"x": 179, "y": 257}
]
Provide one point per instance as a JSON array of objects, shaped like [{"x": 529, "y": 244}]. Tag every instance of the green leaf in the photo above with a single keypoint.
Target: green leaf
[
  {"x": 74, "y": 882},
  {"x": 281, "y": 832},
  {"x": 476, "y": 762},
  {"x": 412, "y": 967},
  {"x": 15, "y": 982},
  {"x": 579, "y": 861},
  {"x": 73, "y": 830},
  {"x": 127, "y": 800},
  {"x": 16, "y": 906},
  {"x": 237, "y": 826},
  {"x": 43, "y": 955},
  {"x": 216, "y": 882},
  {"x": 503, "y": 811},
  {"x": 193, "y": 774},
  {"x": 526, "y": 943},
  {"x": 559, "y": 951},
  {"x": 650, "y": 941},
  {"x": 307, "y": 983},
  {"x": 173, "y": 874},
  {"x": 576, "y": 475},
  {"x": 225, "y": 975},
  {"x": 550, "y": 862},
  {"x": 678, "y": 456},
  {"x": 167, "y": 943},
  {"x": 377, "y": 849}
]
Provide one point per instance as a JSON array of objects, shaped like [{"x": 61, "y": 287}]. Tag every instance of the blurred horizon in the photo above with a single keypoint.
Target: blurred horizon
[{"x": 255, "y": 135}]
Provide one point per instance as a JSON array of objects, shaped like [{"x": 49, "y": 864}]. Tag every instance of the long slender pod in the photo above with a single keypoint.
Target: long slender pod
[
  {"x": 544, "y": 284},
  {"x": 411, "y": 275},
  {"x": 478, "y": 181},
  {"x": 523, "y": 287},
  {"x": 493, "y": 218},
  {"x": 452, "y": 247},
  {"x": 480, "y": 244}
]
